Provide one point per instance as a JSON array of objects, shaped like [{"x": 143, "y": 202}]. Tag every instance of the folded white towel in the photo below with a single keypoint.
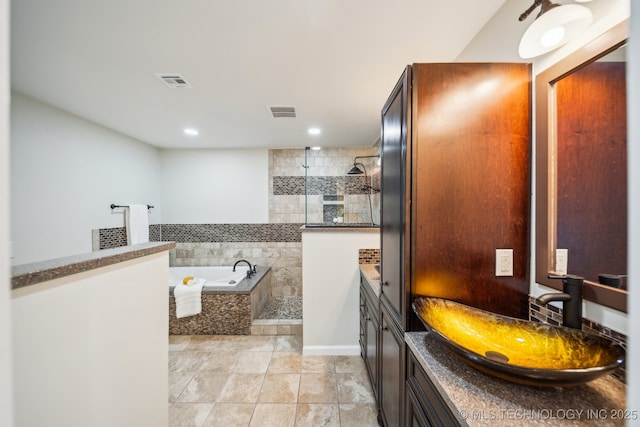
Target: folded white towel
[
  {"x": 137, "y": 219},
  {"x": 188, "y": 299}
]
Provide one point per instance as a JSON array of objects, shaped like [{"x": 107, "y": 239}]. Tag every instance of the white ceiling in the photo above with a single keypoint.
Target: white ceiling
[{"x": 334, "y": 60}]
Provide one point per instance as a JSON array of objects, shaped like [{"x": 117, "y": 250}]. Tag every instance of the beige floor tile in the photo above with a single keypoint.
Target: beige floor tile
[
  {"x": 280, "y": 388},
  {"x": 203, "y": 387},
  {"x": 274, "y": 415},
  {"x": 318, "y": 364},
  {"x": 252, "y": 362},
  {"x": 230, "y": 415},
  {"x": 242, "y": 388},
  {"x": 188, "y": 414},
  {"x": 318, "y": 388},
  {"x": 285, "y": 363},
  {"x": 219, "y": 361},
  {"x": 354, "y": 388},
  {"x": 289, "y": 343},
  {"x": 178, "y": 342},
  {"x": 177, "y": 382},
  {"x": 185, "y": 361},
  {"x": 256, "y": 343},
  {"x": 204, "y": 342},
  {"x": 358, "y": 415},
  {"x": 314, "y": 415},
  {"x": 346, "y": 364}
]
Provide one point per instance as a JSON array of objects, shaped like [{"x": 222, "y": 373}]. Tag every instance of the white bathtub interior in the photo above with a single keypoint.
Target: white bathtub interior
[{"x": 215, "y": 276}]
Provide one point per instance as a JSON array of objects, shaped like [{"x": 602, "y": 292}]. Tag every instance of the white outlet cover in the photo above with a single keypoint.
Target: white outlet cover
[
  {"x": 504, "y": 262},
  {"x": 562, "y": 261}
]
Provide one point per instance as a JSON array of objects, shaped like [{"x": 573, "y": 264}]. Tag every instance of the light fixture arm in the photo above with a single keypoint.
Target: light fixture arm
[
  {"x": 545, "y": 6},
  {"x": 527, "y": 12}
]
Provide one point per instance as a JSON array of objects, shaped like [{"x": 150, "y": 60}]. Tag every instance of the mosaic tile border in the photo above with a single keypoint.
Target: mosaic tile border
[
  {"x": 187, "y": 233},
  {"x": 319, "y": 185},
  {"x": 272, "y": 232},
  {"x": 369, "y": 256},
  {"x": 553, "y": 316},
  {"x": 109, "y": 238}
]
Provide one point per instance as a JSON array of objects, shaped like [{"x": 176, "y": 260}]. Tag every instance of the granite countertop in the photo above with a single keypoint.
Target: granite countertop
[
  {"x": 371, "y": 276},
  {"x": 42, "y": 271},
  {"x": 478, "y": 399},
  {"x": 341, "y": 228}
]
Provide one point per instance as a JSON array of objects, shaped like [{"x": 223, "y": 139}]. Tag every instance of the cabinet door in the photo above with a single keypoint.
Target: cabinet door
[
  {"x": 371, "y": 332},
  {"x": 391, "y": 371},
  {"x": 393, "y": 197}
]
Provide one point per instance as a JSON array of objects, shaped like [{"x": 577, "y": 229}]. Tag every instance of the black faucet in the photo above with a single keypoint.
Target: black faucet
[
  {"x": 571, "y": 297},
  {"x": 250, "y": 272}
]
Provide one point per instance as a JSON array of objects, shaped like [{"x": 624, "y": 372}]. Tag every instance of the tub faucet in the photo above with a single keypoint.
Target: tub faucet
[
  {"x": 250, "y": 272},
  {"x": 571, "y": 297}
]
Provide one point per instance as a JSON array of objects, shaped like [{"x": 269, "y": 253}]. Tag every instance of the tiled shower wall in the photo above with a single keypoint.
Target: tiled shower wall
[{"x": 327, "y": 178}]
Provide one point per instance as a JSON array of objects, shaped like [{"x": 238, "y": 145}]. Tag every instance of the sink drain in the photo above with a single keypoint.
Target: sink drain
[{"x": 496, "y": 357}]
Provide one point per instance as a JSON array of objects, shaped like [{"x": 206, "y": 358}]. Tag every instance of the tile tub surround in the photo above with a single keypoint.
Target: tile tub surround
[
  {"x": 478, "y": 399},
  {"x": 553, "y": 316},
  {"x": 42, "y": 271},
  {"x": 284, "y": 258},
  {"x": 276, "y": 245},
  {"x": 225, "y": 310}
]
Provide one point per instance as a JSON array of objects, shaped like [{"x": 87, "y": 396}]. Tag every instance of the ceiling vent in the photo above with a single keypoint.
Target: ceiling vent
[
  {"x": 174, "y": 80},
  {"x": 278, "y": 111}
]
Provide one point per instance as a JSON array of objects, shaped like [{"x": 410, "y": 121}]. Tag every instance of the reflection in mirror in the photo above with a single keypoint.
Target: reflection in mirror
[
  {"x": 581, "y": 169},
  {"x": 591, "y": 171}
]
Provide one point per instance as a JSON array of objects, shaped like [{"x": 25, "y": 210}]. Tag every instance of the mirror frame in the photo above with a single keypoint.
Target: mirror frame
[{"x": 546, "y": 140}]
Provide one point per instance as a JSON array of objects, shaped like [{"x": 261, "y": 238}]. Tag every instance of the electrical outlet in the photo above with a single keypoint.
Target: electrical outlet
[
  {"x": 562, "y": 261},
  {"x": 504, "y": 262}
]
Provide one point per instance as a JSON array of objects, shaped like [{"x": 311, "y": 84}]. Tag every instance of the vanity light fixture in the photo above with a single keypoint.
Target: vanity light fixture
[
  {"x": 191, "y": 132},
  {"x": 554, "y": 26}
]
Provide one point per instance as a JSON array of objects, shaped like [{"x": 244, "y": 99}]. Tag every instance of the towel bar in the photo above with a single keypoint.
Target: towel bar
[{"x": 113, "y": 206}]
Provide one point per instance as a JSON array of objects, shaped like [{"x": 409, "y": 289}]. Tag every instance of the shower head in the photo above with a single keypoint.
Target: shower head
[{"x": 355, "y": 170}]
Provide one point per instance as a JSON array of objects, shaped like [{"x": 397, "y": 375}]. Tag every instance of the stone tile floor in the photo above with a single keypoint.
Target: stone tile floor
[{"x": 264, "y": 381}]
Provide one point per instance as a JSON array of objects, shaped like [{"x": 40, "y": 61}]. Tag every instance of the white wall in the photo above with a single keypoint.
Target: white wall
[
  {"x": 91, "y": 349},
  {"x": 331, "y": 290},
  {"x": 6, "y": 383},
  {"x": 215, "y": 186},
  {"x": 65, "y": 172},
  {"x": 633, "y": 100}
]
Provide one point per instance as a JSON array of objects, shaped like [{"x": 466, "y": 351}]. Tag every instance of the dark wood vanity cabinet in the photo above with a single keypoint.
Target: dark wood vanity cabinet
[
  {"x": 394, "y": 212},
  {"x": 424, "y": 406},
  {"x": 391, "y": 388},
  {"x": 455, "y": 184},
  {"x": 369, "y": 333},
  {"x": 455, "y": 181}
]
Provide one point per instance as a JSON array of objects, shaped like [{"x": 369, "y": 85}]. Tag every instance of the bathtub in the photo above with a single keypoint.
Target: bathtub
[
  {"x": 227, "y": 308},
  {"x": 214, "y": 276}
]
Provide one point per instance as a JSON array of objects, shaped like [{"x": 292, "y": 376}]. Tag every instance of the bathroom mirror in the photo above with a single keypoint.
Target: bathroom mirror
[{"x": 581, "y": 170}]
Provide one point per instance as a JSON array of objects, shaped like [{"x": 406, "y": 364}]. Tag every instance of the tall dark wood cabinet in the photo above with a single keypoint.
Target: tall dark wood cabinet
[{"x": 455, "y": 181}]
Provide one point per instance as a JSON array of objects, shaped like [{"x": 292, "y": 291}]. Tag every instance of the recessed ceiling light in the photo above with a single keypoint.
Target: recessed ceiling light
[
  {"x": 191, "y": 132},
  {"x": 316, "y": 148},
  {"x": 314, "y": 131}
]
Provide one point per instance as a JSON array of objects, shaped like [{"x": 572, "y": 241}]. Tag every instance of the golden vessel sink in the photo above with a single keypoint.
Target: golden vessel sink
[{"x": 518, "y": 350}]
